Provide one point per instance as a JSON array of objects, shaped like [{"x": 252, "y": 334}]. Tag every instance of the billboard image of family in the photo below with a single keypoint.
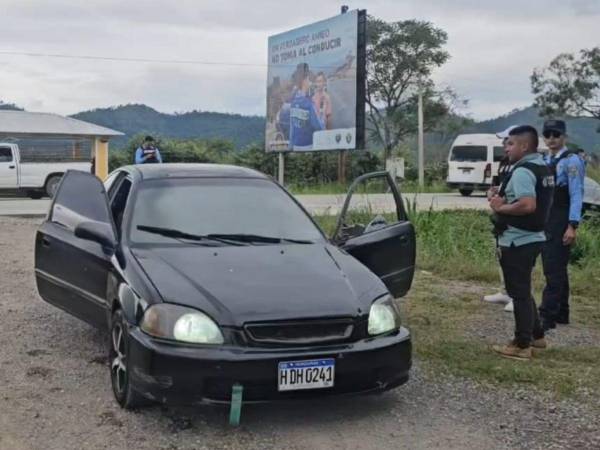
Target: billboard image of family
[{"x": 311, "y": 86}]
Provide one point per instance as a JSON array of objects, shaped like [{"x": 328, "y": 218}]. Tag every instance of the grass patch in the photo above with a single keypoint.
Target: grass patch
[
  {"x": 593, "y": 172},
  {"x": 444, "y": 315},
  {"x": 440, "y": 322},
  {"x": 459, "y": 245}
]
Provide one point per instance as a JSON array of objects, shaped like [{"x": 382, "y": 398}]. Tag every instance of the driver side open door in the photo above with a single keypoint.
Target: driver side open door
[
  {"x": 71, "y": 272},
  {"x": 386, "y": 245}
]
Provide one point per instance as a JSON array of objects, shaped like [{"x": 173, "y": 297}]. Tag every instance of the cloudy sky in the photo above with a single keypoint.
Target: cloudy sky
[{"x": 494, "y": 47}]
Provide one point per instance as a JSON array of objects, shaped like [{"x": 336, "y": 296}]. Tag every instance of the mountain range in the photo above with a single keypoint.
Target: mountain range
[{"x": 135, "y": 119}]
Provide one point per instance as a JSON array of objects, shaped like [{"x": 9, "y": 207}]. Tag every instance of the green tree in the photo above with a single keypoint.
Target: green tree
[
  {"x": 570, "y": 85},
  {"x": 9, "y": 106},
  {"x": 401, "y": 57}
]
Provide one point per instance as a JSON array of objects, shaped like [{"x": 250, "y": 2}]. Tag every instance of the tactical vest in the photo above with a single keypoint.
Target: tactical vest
[
  {"x": 150, "y": 151},
  {"x": 544, "y": 192},
  {"x": 562, "y": 199}
]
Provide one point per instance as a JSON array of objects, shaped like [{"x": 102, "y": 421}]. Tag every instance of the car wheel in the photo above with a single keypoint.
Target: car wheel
[
  {"x": 465, "y": 192},
  {"x": 118, "y": 357},
  {"x": 52, "y": 185}
]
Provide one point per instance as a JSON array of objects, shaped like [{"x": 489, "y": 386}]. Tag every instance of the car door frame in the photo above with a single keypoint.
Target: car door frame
[
  {"x": 74, "y": 294},
  {"x": 396, "y": 273}
]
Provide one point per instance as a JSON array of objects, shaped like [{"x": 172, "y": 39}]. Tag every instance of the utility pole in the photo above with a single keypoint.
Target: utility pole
[
  {"x": 342, "y": 153},
  {"x": 281, "y": 168},
  {"x": 421, "y": 141}
]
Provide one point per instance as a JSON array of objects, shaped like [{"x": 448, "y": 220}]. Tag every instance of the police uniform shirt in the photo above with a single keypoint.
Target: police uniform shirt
[
  {"x": 521, "y": 184},
  {"x": 570, "y": 171}
]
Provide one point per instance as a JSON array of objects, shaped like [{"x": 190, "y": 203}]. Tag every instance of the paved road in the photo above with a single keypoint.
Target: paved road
[{"x": 316, "y": 204}]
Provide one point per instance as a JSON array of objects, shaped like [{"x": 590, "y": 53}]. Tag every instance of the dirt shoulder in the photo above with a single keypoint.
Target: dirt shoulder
[{"x": 55, "y": 391}]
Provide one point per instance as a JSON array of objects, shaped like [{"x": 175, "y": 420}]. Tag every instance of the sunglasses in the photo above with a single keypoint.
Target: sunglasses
[{"x": 554, "y": 134}]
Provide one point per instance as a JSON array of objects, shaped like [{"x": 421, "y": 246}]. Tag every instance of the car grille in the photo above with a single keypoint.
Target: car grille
[{"x": 301, "y": 332}]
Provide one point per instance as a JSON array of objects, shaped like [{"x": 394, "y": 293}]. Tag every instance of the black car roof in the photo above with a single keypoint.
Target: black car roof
[{"x": 183, "y": 170}]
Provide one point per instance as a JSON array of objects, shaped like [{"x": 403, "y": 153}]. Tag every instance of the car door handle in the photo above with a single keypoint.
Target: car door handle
[
  {"x": 403, "y": 240},
  {"x": 45, "y": 242},
  {"x": 11, "y": 167}
]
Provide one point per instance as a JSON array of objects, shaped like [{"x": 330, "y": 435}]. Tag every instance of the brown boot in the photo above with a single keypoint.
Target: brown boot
[
  {"x": 512, "y": 351},
  {"x": 539, "y": 344}
]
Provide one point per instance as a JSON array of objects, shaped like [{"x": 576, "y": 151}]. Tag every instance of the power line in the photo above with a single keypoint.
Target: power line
[
  {"x": 139, "y": 60},
  {"x": 150, "y": 60}
]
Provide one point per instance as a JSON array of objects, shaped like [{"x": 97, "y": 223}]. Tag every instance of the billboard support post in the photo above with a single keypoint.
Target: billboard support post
[
  {"x": 342, "y": 167},
  {"x": 281, "y": 168},
  {"x": 421, "y": 143}
]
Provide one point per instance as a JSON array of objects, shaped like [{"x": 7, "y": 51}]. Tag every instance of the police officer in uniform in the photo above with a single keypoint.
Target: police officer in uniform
[
  {"x": 148, "y": 153},
  {"x": 521, "y": 208},
  {"x": 569, "y": 170},
  {"x": 304, "y": 119}
]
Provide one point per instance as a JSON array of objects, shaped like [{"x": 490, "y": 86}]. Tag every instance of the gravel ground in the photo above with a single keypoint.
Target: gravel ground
[
  {"x": 55, "y": 394},
  {"x": 494, "y": 325}
]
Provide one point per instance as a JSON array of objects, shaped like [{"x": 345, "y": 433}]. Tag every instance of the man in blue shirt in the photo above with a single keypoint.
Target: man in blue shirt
[
  {"x": 148, "y": 153},
  {"x": 304, "y": 120},
  {"x": 561, "y": 228},
  {"x": 521, "y": 208}
]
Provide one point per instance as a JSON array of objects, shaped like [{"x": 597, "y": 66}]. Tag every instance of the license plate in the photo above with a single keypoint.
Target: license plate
[{"x": 314, "y": 374}]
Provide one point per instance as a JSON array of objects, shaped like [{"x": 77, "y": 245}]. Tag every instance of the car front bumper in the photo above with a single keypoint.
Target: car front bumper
[{"x": 176, "y": 374}]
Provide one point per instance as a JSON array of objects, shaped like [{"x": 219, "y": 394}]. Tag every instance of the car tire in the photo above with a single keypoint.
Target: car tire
[
  {"x": 118, "y": 352},
  {"x": 52, "y": 185},
  {"x": 465, "y": 192},
  {"x": 35, "y": 195}
]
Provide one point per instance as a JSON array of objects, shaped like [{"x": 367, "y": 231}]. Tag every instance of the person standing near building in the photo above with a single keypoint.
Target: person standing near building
[
  {"x": 521, "y": 209},
  {"x": 148, "y": 153},
  {"x": 565, "y": 215}
]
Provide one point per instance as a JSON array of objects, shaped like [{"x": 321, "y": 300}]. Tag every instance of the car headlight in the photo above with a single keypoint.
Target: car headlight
[
  {"x": 383, "y": 316},
  {"x": 180, "y": 324}
]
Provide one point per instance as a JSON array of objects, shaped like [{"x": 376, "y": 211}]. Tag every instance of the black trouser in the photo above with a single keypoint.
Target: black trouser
[
  {"x": 517, "y": 265},
  {"x": 555, "y": 258}
]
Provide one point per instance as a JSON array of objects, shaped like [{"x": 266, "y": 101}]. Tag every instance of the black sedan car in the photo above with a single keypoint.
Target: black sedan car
[{"x": 209, "y": 277}]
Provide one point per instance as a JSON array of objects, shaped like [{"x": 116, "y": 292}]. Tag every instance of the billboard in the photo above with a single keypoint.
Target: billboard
[{"x": 315, "y": 86}]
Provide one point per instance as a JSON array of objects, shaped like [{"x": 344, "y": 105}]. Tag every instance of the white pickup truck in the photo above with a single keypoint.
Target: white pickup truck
[{"x": 34, "y": 179}]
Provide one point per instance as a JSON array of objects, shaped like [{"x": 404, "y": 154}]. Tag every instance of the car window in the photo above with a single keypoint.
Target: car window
[
  {"x": 119, "y": 201},
  {"x": 499, "y": 154},
  {"x": 5, "y": 154},
  {"x": 469, "y": 153},
  {"x": 112, "y": 181},
  {"x": 219, "y": 206},
  {"x": 371, "y": 206},
  {"x": 80, "y": 197}
]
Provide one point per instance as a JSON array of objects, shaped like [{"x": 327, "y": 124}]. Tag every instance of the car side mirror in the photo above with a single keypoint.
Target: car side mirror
[{"x": 99, "y": 232}]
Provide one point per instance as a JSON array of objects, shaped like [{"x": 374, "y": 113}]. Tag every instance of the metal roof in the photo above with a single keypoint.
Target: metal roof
[{"x": 22, "y": 122}]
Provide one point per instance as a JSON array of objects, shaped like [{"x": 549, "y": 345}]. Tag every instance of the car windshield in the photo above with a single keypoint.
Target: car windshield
[{"x": 222, "y": 210}]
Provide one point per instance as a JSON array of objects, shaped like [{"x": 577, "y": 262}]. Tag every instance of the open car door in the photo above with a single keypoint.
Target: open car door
[
  {"x": 374, "y": 228},
  {"x": 71, "y": 271}
]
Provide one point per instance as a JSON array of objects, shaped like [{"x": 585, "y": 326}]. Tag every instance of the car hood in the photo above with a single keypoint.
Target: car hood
[{"x": 235, "y": 285}]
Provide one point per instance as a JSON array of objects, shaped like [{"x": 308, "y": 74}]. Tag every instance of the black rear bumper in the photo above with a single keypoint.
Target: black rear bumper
[
  {"x": 469, "y": 186},
  {"x": 176, "y": 374}
]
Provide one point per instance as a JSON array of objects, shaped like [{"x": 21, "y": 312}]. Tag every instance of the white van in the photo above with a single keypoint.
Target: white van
[
  {"x": 34, "y": 179},
  {"x": 473, "y": 161}
]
